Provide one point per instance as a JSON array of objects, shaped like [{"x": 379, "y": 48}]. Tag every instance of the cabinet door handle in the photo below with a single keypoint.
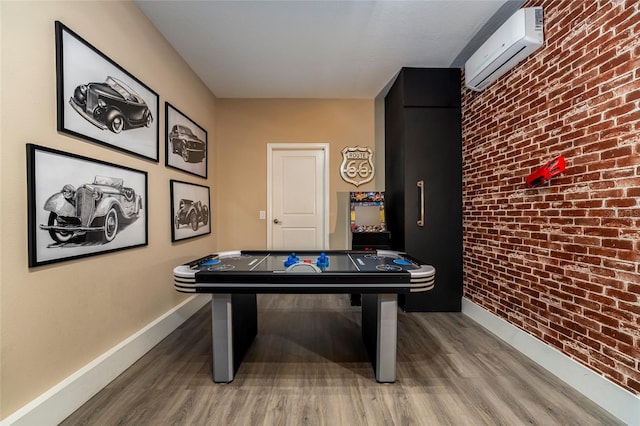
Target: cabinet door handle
[{"x": 420, "y": 184}]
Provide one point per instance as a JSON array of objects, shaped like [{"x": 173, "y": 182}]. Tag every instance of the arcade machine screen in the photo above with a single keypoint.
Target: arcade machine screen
[
  {"x": 367, "y": 212},
  {"x": 368, "y": 225}
]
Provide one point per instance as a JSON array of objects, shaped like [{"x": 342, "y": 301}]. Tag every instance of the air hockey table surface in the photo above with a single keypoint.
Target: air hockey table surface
[{"x": 382, "y": 271}]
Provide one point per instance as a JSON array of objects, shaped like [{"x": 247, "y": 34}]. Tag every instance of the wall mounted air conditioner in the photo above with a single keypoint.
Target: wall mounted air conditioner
[{"x": 516, "y": 39}]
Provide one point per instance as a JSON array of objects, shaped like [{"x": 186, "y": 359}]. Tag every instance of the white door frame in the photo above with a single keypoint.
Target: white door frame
[{"x": 324, "y": 147}]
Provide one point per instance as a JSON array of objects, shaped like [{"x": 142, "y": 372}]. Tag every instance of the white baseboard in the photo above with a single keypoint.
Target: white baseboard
[
  {"x": 613, "y": 398},
  {"x": 60, "y": 401}
]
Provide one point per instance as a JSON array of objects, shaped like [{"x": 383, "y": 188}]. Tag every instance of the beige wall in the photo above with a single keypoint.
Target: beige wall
[
  {"x": 55, "y": 319},
  {"x": 245, "y": 127}
]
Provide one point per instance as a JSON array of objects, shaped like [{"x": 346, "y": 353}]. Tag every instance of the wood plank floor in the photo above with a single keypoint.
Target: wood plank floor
[{"x": 308, "y": 366}]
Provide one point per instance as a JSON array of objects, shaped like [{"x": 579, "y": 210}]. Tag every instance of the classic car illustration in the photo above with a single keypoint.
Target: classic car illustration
[
  {"x": 99, "y": 207},
  {"x": 111, "y": 105},
  {"x": 185, "y": 143},
  {"x": 191, "y": 213}
]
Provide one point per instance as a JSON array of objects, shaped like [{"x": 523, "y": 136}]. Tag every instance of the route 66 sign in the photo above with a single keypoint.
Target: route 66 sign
[{"x": 357, "y": 165}]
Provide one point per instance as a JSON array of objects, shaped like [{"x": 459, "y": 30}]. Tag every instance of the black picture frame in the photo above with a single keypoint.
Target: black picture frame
[
  {"x": 190, "y": 210},
  {"x": 101, "y": 102},
  {"x": 186, "y": 142},
  {"x": 80, "y": 207}
]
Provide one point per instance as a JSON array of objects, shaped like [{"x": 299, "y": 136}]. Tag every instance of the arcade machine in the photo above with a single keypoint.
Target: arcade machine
[{"x": 368, "y": 225}]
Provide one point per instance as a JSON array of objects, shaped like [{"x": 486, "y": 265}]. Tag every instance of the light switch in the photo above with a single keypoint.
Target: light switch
[{"x": 263, "y": 214}]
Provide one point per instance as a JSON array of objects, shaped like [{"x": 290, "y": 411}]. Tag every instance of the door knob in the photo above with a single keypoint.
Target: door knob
[{"x": 276, "y": 221}]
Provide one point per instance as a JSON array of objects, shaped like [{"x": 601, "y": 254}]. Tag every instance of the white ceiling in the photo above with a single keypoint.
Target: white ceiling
[{"x": 319, "y": 49}]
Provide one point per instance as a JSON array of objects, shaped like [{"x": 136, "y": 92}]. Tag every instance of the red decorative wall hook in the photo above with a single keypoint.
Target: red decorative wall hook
[{"x": 546, "y": 172}]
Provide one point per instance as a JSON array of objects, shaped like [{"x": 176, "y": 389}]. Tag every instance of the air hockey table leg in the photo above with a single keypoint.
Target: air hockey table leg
[
  {"x": 234, "y": 326},
  {"x": 380, "y": 333}
]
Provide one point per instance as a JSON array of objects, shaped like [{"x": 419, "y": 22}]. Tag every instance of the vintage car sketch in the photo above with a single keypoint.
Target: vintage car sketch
[
  {"x": 111, "y": 105},
  {"x": 191, "y": 213},
  {"x": 185, "y": 143},
  {"x": 98, "y": 208}
]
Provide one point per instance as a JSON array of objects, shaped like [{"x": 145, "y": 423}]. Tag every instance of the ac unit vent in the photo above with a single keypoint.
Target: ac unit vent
[{"x": 520, "y": 35}]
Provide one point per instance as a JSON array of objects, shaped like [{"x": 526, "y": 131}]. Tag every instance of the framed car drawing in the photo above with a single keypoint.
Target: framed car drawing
[
  {"x": 190, "y": 210},
  {"x": 186, "y": 143},
  {"x": 79, "y": 207},
  {"x": 101, "y": 102}
]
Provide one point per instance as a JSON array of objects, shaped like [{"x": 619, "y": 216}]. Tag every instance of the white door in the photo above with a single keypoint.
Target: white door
[{"x": 297, "y": 196}]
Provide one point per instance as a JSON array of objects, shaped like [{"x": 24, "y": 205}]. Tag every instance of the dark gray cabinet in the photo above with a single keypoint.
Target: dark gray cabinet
[{"x": 423, "y": 143}]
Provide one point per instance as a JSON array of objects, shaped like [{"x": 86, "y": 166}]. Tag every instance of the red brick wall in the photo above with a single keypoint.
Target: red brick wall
[{"x": 562, "y": 261}]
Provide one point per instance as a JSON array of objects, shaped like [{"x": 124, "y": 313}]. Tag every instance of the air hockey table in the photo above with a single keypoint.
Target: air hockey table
[{"x": 235, "y": 277}]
